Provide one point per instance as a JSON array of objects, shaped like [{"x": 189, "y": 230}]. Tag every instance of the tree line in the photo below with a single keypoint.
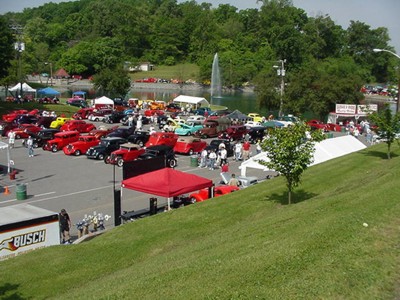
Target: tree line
[{"x": 324, "y": 64}]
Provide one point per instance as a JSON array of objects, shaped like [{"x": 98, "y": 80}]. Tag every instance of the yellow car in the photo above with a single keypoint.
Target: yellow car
[
  {"x": 57, "y": 123},
  {"x": 256, "y": 117}
]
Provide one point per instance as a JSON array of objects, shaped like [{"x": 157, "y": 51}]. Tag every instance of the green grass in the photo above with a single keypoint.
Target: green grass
[
  {"x": 246, "y": 245},
  {"x": 67, "y": 110},
  {"x": 180, "y": 71}
]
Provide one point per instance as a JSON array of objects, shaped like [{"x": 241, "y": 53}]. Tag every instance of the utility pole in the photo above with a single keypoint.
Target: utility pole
[{"x": 281, "y": 72}]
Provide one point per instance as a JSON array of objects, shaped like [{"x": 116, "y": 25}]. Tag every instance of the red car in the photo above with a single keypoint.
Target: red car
[
  {"x": 202, "y": 195},
  {"x": 22, "y": 132},
  {"x": 234, "y": 133},
  {"x": 102, "y": 131},
  {"x": 83, "y": 113},
  {"x": 61, "y": 140},
  {"x": 126, "y": 152},
  {"x": 189, "y": 145},
  {"x": 152, "y": 112},
  {"x": 14, "y": 114},
  {"x": 162, "y": 138},
  {"x": 316, "y": 124},
  {"x": 77, "y": 125},
  {"x": 81, "y": 145}
]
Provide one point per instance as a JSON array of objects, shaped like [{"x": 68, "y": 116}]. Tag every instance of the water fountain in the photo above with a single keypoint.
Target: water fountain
[{"x": 215, "y": 79}]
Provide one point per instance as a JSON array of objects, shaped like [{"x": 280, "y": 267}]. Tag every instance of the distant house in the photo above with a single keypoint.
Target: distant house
[{"x": 141, "y": 67}]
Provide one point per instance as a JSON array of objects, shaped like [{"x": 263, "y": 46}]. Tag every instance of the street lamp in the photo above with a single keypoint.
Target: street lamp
[
  {"x": 51, "y": 72},
  {"x": 376, "y": 50},
  {"x": 281, "y": 72}
]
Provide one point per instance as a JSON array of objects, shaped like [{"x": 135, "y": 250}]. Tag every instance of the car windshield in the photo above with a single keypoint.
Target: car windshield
[{"x": 104, "y": 143}]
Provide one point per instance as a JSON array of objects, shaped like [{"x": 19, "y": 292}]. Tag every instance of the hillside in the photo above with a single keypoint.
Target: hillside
[{"x": 245, "y": 245}]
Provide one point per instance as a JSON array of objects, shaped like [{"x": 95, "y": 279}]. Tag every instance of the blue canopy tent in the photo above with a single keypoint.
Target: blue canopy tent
[
  {"x": 79, "y": 93},
  {"x": 48, "y": 92}
]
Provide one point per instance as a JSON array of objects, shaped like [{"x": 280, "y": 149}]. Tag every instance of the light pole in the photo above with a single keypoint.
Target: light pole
[
  {"x": 51, "y": 72},
  {"x": 376, "y": 50},
  {"x": 281, "y": 72}
]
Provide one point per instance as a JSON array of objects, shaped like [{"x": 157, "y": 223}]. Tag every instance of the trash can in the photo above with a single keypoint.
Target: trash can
[
  {"x": 194, "y": 161},
  {"x": 21, "y": 191},
  {"x": 343, "y": 129}
]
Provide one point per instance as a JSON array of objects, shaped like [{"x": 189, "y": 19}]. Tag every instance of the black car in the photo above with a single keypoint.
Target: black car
[
  {"x": 122, "y": 132},
  {"x": 104, "y": 149},
  {"x": 45, "y": 121},
  {"x": 214, "y": 144},
  {"x": 161, "y": 150},
  {"x": 139, "y": 137},
  {"x": 40, "y": 138},
  {"x": 256, "y": 133},
  {"x": 162, "y": 121},
  {"x": 114, "y": 117},
  {"x": 26, "y": 119}
]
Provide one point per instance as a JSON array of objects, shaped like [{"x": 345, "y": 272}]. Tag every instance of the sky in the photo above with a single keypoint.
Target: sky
[{"x": 383, "y": 13}]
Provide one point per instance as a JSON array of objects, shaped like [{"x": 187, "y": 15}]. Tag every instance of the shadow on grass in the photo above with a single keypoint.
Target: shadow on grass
[
  {"x": 297, "y": 197},
  {"x": 380, "y": 154},
  {"x": 9, "y": 291}
]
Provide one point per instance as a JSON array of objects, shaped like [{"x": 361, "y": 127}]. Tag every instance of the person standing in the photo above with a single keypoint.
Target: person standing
[
  {"x": 29, "y": 143},
  {"x": 258, "y": 147},
  {"x": 65, "y": 226},
  {"x": 139, "y": 123},
  {"x": 212, "y": 158},
  {"x": 203, "y": 159},
  {"x": 233, "y": 181},
  {"x": 246, "y": 150},
  {"x": 224, "y": 155},
  {"x": 11, "y": 139},
  {"x": 238, "y": 151}
]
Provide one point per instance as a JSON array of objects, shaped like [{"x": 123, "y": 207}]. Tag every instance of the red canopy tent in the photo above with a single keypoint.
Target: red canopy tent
[
  {"x": 61, "y": 73},
  {"x": 167, "y": 183}
]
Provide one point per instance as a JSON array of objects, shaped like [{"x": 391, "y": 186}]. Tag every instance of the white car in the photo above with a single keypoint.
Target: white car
[
  {"x": 197, "y": 120},
  {"x": 252, "y": 124}
]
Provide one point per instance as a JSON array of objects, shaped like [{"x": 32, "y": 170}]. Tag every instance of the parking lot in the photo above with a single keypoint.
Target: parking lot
[{"x": 81, "y": 185}]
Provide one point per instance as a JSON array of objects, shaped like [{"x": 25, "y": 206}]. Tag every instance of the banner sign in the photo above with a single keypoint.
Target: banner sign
[
  {"x": 346, "y": 108},
  {"x": 367, "y": 109}
]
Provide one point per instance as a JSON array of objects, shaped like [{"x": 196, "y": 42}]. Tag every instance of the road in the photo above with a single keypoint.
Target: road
[{"x": 81, "y": 185}]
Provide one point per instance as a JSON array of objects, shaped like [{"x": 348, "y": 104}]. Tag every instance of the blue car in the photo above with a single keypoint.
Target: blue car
[
  {"x": 201, "y": 111},
  {"x": 187, "y": 129}
]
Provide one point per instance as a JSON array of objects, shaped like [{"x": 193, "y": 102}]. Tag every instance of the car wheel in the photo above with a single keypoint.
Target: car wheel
[
  {"x": 191, "y": 152},
  {"x": 96, "y": 120},
  {"x": 54, "y": 148},
  {"x": 107, "y": 159},
  {"x": 35, "y": 145},
  {"x": 120, "y": 162},
  {"x": 172, "y": 163},
  {"x": 17, "y": 136},
  {"x": 192, "y": 200},
  {"x": 77, "y": 153},
  {"x": 100, "y": 156},
  {"x": 141, "y": 144},
  {"x": 231, "y": 139}
]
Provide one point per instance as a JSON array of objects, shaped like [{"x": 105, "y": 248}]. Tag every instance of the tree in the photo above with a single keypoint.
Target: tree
[
  {"x": 112, "y": 82},
  {"x": 388, "y": 126},
  {"x": 6, "y": 48},
  {"x": 290, "y": 152}
]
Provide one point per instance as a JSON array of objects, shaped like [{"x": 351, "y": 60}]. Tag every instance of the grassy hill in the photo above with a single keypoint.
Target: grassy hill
[{"x": 246, "y": 245}]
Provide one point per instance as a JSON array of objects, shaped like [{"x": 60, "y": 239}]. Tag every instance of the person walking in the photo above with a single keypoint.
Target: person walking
[
  {"x": 212, "y": 158},
  {"x": 246, "y": 150},
  {"x": 29, "y": 143},
  {"x": 203, "y": 159},
  {"x": 11, "y": 139},
  {"x": 65, "y": 226},
  {"x": 238, "y": 151},
  {"x": 233, "y": 181},
  {"x": 223, "y": 154}
]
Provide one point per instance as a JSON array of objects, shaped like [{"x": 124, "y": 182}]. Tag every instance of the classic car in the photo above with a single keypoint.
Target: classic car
[
  {"x": 99, "y": 115},
  {"x": 106, "y": 146},
  {"x": 102, "y": 131},
  {"x": 77, "y": 125},
  {"x": 23, "y": 130},
  {"x": 256, "y": 117},
  {"x": 189, "y": 145},
  {"x": 139, "y": 137},
  {"x": 256, "y": 133},
  {"x": 196, "y": 120},
  {"x": 114, "y": 117},
  {"x": 202, "y": 111},
  {"x": 126, "y": 152},
  {"x": 57, "y": 123},
  {"x": 173, "y": 107},
  {"x": 162, "y": 138},
  {"x": 161, "y": 150},
  {"x": 122, "y": 132},
  {"x": 45, "y": 122},
  {"x": 83, "y": 113},
  {"x": 187, "y": 129},
  {"x": 214, "y": 145},
  {"x": 316, "y": 124},
  {"x": 13, "y": 115},
  {"x": 250, "y": 124},
  {"x": 26, "y": 119},
  {"x": 5, "y": 127},
  {"x": 40, "y": 138},
  {"x": 173, "y": 124},
  {"x": 157, "y": 105},
  {"x": 234, "y": 133},
  {"x": 81, "y": 145},
  {"x": 202, "y": 195},
  {"x": 152, "y": 112},
  {"x": 60, "y": 140}
]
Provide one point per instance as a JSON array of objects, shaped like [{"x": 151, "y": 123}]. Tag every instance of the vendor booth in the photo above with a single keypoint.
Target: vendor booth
[{"x": 195, "y": 102}]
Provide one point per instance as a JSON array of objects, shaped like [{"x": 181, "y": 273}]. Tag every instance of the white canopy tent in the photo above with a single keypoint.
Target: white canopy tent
[
  {"x": 103, "y": 101},
  {"x": 25, "y": 88},
  {"x": 197, "y": 101},
  {"x": 324, "y": 150}
]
